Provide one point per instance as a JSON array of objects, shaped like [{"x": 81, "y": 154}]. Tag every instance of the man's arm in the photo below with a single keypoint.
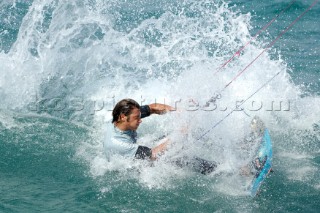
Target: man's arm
[
  {"x": 160, "y": 108},
  {"x": 155, "y": 108}
]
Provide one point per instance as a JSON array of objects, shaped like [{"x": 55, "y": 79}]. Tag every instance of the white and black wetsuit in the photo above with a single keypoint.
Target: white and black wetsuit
[{"x": 124, "y": 143}]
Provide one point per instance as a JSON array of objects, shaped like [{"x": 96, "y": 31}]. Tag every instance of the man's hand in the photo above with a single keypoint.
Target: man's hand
[
  {"x": 160, "y": 148},
  {"x": 160, "y": 108}
]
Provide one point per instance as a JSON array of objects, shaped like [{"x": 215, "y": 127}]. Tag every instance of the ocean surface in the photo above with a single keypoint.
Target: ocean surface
[{"x": 64, "y": 64}]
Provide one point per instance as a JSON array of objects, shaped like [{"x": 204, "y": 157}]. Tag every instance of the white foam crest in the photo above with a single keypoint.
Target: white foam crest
[
  {"x": 176, "y": 49},
  {"x": 162, "y": 175},
  {"x": 16, "y": 84},
  {"x": 51, "y": 54}
]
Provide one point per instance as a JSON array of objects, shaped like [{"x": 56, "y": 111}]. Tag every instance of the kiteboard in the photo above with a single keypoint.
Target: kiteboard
[{"x": 263, "y": 159}]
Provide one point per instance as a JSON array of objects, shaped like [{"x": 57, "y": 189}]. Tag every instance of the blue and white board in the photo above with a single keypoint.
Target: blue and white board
[{"x": 264, "y": 156}]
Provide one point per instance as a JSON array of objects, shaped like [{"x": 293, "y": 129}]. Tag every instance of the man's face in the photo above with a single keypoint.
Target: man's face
[{"x": 133, "y": 120}]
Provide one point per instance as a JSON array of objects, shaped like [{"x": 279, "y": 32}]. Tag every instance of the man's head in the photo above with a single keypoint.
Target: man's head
[{"x": 127, "y": 113}]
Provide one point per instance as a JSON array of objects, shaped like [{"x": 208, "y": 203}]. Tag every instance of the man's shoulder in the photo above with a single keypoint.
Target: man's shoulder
[{"x": 115, "y": 133}]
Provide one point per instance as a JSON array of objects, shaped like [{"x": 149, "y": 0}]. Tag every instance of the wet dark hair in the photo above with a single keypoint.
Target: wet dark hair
[{"x": 125, "y": 107}]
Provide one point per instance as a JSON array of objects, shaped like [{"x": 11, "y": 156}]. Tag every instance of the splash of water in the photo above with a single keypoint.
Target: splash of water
[{"x": 75, "y": 59}]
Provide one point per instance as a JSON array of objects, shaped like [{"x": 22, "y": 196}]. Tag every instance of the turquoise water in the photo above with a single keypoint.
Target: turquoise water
[{"x": 65, "y": 63}]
